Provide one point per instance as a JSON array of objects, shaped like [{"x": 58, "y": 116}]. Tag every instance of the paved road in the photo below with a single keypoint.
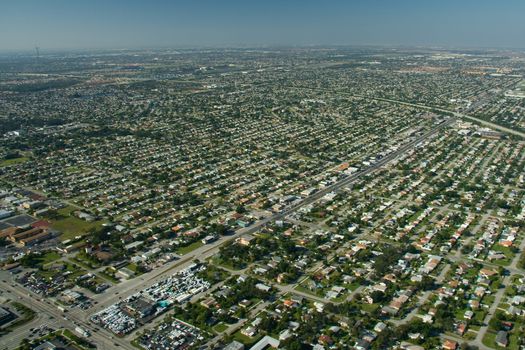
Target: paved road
[
  {"x": 105, "y": 340},
  {"x": 68, "y": 202},
  {"x": 12, "y": 339},
  {"x": 417, "y": 105},
  {"x": 513, "y": 268},
  {"x": 422, "y": 299},
  {"x": 460, "y": 340},
  {"x": 457, "y": 115},
  {"x": 239, "y": 324},
  {"x": 202, "y": 253}
]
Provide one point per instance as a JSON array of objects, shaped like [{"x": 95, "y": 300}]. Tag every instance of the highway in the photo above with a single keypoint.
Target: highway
[
  {"x": 202, "y": 253},
  {"x": 56, "y": 319},
  {"x": 352, "y": 178},
  {"x": 456, "y": 114},
  {"x": 106, "y": 340},
  {"x": 421, "y": 106}
]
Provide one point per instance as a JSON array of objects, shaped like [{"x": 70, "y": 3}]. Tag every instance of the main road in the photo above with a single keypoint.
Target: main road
[
  {"x": 202, "y": 253},
  {"x": 421, "y": 106},
  {"x": 105, "y": 340},
  {"x": 456, "y": 114},
  {"x": 102, "y": 338}
]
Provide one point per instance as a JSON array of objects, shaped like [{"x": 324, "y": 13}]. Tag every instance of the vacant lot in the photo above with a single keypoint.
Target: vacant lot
[
  {"x": 7, "y": 162},
  {"x": 71, "y": 226}
]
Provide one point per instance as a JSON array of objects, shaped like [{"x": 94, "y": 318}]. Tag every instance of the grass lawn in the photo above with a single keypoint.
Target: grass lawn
[
  {"x": 509, "y": 255},
  {"x": 40, "y": 261},
  {"x": 49, "y": 257},
  {"x": 221, "y": 327},
  {"x": 189, "y": 248},
  {"x": 460, "y": 313},
  {"x": 469, "y": 335},
  {"x": 67, "y": 333},
  {"x": 8, "y": 162},
  {"x": 85, "y": 264},
  {"x": 219, "y": 262},
  {"x": 135, "y": 344},
  {"x": 76, "y": 339},
  {"x": 246, "y": 340},
  {"x": 47, "y": 274},
  {"x": 503, "y": 306},
  {"x": 133, "y": 267},
  {"x": 74, "y": 272},
  {"x": 108, "y": 277},
  {"x": 514, "y": 340},
  {"x": 75, "y": 169},
  {"x": 71, "y": 226},
  {"x": 488, "y": 300},
  {"x": 303, "y": 289},
  {"x": 490, "y": 340},
  {"x": 82, "y": 264},
  {"x": 340, "y": 298},
  {"x": 352, "y": 286},
  {"x": 370, "y": 308},
  {"x": 71, "y": 272}
]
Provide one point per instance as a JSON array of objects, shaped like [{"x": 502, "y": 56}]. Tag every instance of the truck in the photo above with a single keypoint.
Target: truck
[{"x": 82, "y": 331}]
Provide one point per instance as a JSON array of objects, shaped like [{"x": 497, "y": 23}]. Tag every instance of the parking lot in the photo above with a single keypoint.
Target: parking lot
[{"x": 126, "y": 315}]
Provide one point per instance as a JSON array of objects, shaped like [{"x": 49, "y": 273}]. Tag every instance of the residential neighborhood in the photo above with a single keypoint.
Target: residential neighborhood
[{"x": 263, "y": 199}]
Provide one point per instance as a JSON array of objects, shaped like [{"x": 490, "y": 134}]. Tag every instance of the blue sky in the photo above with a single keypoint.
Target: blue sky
[{"x": 53, "y": 24}]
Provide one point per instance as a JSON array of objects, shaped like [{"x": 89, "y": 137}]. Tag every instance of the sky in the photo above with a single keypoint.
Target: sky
[{"x": 119, "y": 24}]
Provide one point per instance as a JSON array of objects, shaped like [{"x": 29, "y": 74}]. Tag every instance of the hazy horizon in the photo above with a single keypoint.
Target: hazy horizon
[{"x": 119, "y": 24}]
